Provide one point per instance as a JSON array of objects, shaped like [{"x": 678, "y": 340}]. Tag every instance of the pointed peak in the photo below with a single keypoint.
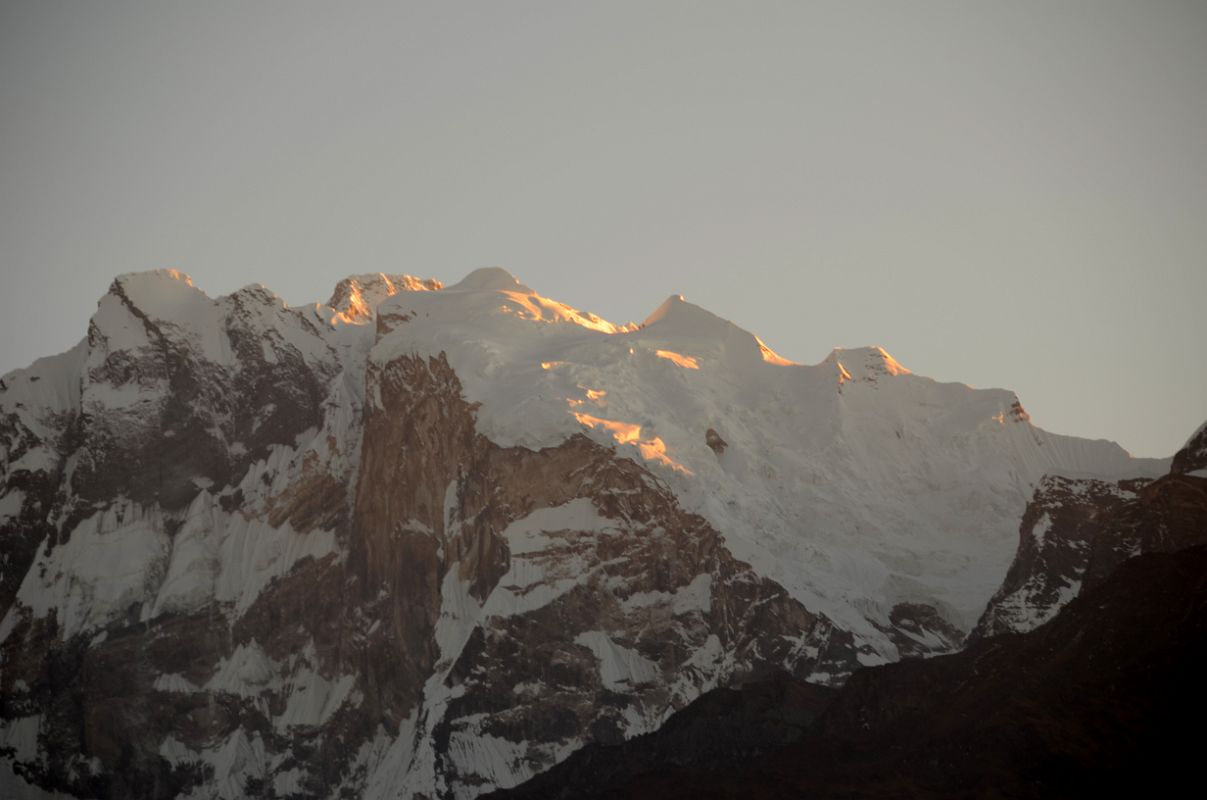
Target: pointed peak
[
  {"x": 160, "y": 293},
  {"x": 489, "y": 279},
  {"x": 772, "y": 357},
  {"x": 153, "y": 277},
  {"x": 864, "y": 363},
  {"x": 356, "y": 296},
  {"x": 164, "y": 274},
  {"x": 667, "y": 308},
  {"x": 679, "y": 319},
  {"x": 685, "y": 316},
  {"x": 257, "y": 291}
]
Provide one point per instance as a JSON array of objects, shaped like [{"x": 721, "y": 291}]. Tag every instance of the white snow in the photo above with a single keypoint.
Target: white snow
[
  {"x": 696, "y": 596},
  {"x": 1039, "y": 531},
  {"x": 21, "y": 734},
  {"x": 247, "y": 672},
  {"x": 122, "y": 330},
  {"x": 41, "y": 397},
  {"x": 459, "y": 613},
  {"x": 312, "y": 699},
  {"x": 854, "y": 483},
  {"x": 1197, "y": 433},
  {"x": 102, "y": 570},
  {"x": 620, "y": 668},
  {"x": 476, "y": 760},
  {"x": 122, "y": 557},
  {"x": 388, "y": 761},
  {"x": 530, "y": 534},
  {"x": 230, "y": 558},
  {"x": 169, "y": 297},
  {"x": 233, "y": 761},
  {"x": 545, "y": 558},
  {"x": 500, "y": 762},
  {"x": 175, "y": 682},
  {"x": 543, "y": 566}
]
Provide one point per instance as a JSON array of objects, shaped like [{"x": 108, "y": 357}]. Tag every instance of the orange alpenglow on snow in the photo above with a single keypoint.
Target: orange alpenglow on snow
[
  {"x": 360, "y": 294},
  {"x": 687, "y": 362},
  {"x": 893, "y": 365},
  {"x": 864, "y": 363},
  {"x": 772, "y": 357},
  {"x": 541, "y": 309},
  {"x": 623, "y": 432},
  {"x": 628, "y": 433}
]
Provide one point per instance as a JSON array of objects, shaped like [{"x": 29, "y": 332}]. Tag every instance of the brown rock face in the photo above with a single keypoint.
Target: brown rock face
[
  {"x": 157, "y": 451},
  {"x": 596, "y": 632},
  {"x": 1062, "y": 520},
  {"x": 1167, "y": 515},
  {"x": 1076, "y": 532},
  {"x": 479, "y": 613},
  {"x": 1089, "y": 704},
  {"x": 715, "y": 442},
  {"x": 919, "y": 631}
]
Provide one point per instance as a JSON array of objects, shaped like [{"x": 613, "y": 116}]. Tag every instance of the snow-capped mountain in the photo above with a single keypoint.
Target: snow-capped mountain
[{"x": 427, "y": 541}]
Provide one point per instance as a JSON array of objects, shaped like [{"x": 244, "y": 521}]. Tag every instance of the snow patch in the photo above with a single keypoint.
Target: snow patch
[
  {"x": 175, "y": 682},
  {"x": 620, "y": 669},
  {"x": 111, "y": 562},
  {"x": 695, "y": 597},
  {"x": 21, "y": 735},
  {"x": 1040, "y": 530}
]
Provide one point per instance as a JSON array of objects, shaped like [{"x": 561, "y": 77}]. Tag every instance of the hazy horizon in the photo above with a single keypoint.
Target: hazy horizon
[{"x": 1008, "y": 196}]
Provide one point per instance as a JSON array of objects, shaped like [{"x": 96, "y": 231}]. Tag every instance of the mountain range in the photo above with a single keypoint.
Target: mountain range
[{"x": 430, "y": 541}]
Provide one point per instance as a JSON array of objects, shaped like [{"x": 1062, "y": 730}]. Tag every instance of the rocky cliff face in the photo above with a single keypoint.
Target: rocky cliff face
[
  {"x": 428, "y": 541},
  {"x": 228, "y": 575},
  {"x": 1076, "y": 532},
  {"x": 532, "y": 601},
  {"x": 1056, "y": 537},
  {"x": 1087, "y": 704}
]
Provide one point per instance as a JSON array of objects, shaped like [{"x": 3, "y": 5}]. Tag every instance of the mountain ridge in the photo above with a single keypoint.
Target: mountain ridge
[{"x": 439, "y": 538}]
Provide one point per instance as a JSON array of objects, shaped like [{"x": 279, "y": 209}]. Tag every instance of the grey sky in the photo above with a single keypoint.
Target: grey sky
[{"x": 1008, "y": 194}]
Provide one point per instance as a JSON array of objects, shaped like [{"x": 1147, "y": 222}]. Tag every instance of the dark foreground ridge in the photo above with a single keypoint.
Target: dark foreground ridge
[
  {"x": 724, "y": 726},
  {"x": 1095, "y": 701}
]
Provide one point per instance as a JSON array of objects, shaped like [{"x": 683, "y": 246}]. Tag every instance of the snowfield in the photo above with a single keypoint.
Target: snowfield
[{"x": 854, "y": 483}]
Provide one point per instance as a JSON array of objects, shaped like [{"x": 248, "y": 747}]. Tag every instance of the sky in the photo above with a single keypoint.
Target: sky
[{"x": 1001, "y": 194}]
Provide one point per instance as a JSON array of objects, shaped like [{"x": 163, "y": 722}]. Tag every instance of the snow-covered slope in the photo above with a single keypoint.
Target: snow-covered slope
[
  {"x": 1192, "y": 458},
  {"x": 430, "y": 540},
  {"x": 853, "y": 483}
]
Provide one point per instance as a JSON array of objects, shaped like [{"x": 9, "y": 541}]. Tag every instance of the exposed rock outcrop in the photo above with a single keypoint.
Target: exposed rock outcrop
[
  {"x": 1076, "y": 532},
  {"x": 328, "y": 594},
  {"x": 1088, "y": 704}
]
